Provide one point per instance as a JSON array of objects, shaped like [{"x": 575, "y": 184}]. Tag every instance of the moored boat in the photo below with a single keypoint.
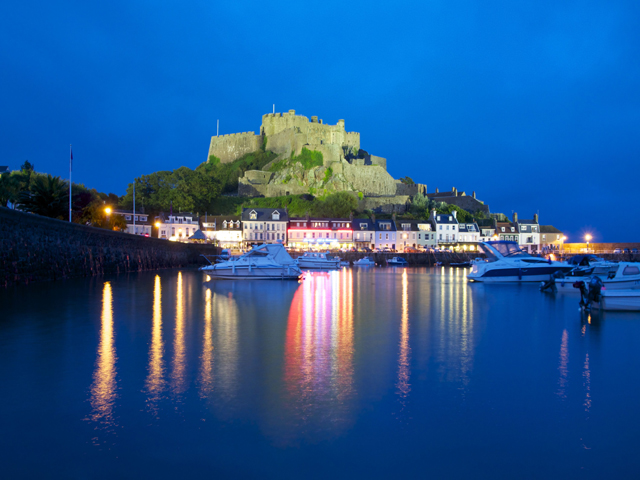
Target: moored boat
[
  {"x": 617, "y": 276},
  {"x": 317, "y": 260},
  {"x": 364, "y": 262},
  {"x": 265, "y": 262},
  {"x": 506, "y": 262},
  {"x": 595, "y": 295},
  {"x": 398, "y": 262}
]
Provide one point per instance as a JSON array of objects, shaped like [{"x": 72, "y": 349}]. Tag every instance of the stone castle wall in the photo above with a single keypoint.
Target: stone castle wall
[
  {"x": 35, "y": 248},
  {"x": 233, "y": 146}
]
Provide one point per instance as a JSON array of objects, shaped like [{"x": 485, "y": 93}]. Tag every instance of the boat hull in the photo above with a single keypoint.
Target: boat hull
[
  {"x": 619, "y": 300},
  {"x": 516, "y": 275},
  {"x": 566, "y": 285},
  {"x": 318, "y": 264},
  {"x": 267, "y": 273}
]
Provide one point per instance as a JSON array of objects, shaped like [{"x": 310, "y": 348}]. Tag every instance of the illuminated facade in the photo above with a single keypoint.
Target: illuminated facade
[
  {"x": 142, "y": 226},
  {"x": 264, "y": 225},
  {"x": 385, "y": 236},
  {"x": 226, "y": 230},
  {"x": 178, "y": 227},
  {"x": 364, "y": 232},
  {"x": 446, "y": 228},
  {"x": 320, "y": 233},
  {"x": 418, "y": 234}
]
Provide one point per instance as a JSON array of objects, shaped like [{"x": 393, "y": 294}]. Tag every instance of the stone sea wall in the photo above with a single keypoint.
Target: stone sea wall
[{"x": 35, "y": 248}]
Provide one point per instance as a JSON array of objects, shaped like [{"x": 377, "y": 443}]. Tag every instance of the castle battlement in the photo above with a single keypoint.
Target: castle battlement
[{"x": 286, "y": 133}]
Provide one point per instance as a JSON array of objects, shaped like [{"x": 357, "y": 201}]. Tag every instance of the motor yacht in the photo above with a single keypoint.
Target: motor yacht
[
  {"x": 317, "y": 260},
  {"x": 364, "y": 262},
  {"x": 398, "y": 262},
  {"x": 506, "y": 262},
  {"x": 265, "y": 262}
]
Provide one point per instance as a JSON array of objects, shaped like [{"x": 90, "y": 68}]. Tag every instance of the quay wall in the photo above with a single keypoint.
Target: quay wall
[{"x": 35, "y": 248}]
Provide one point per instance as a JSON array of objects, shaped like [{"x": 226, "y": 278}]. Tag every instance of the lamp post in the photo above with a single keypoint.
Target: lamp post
[
  {"x": 587, "y": 238},
  {"x": 107, "y": 210},
  {"x": 157, "y": 225}
]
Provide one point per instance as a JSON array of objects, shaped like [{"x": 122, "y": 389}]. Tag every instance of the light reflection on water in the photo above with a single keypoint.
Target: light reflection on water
[
  {"x": 344, "y": 358},
  {"x": 155, "y": 383},
  {"x": 318, "y": 355},
  {"x": 103, "y": 389}
]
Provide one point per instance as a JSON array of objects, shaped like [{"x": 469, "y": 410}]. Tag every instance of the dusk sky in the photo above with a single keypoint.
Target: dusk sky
[{"x": 533, "y": 105}]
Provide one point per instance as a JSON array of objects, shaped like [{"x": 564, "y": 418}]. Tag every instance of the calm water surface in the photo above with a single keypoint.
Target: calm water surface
[{"x": 373, "y": 373}]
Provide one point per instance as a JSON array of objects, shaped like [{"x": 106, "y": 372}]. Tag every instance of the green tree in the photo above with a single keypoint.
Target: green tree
[
  {"x": 337, "y": 205},
  {"x": 48, "y": 196}
]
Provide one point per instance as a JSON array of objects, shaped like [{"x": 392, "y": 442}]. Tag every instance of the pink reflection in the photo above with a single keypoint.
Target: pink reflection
[{"x": 318, "y": 363}]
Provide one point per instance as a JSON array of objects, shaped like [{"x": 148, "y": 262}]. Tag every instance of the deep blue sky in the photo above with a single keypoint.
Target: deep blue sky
[{"x": 534, "y": 105}]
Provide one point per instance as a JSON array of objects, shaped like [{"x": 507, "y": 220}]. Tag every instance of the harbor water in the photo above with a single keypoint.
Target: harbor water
[{"x": 356, "y": 373}]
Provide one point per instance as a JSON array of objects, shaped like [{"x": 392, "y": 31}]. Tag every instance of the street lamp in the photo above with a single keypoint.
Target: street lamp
[{"x": 587, "y": 237}]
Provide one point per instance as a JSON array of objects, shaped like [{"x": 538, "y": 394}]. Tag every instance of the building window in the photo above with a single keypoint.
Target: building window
[{"x": 386, "y": 236}]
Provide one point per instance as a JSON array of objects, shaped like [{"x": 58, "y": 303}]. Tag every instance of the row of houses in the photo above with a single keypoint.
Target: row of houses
[{"x": 273, "y": 225}]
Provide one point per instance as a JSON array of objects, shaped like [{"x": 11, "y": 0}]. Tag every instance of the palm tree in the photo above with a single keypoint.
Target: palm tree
[{"x": 48, "y": 196}]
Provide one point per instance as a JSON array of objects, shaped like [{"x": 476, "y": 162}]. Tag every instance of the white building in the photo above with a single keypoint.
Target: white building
[
  {"x": 446, "y": 227},
  {"x": 142, "y": 225},
  {"x": 264, "y": 225},
  {"x": 529, "y": 233},
  {"x": 364, "y": 231},
  {"x": 225, "y": 230},
  {"x": 385, "y": 236},
  {"x": 178, "y": 227}
]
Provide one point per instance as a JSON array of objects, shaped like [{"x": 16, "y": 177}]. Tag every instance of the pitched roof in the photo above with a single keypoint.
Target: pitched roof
[
  {"x": 264, "y": 214},
  {"x": 549, "y": 229},
  {"x": 379, "y": 228},
  {"x": 468, "y": 228},
  {"x": 445, "y": 218}
]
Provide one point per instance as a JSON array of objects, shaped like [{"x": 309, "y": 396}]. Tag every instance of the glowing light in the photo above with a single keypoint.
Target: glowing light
[
  {"x": 103, "y": 390},
  {"x": 158, "y": 224},
  {"x": 107, "y": 211},
  {"x": 155, "y": 379},
  {"x": 178, "y": 380},
  {"x": 587, "y": 237}
]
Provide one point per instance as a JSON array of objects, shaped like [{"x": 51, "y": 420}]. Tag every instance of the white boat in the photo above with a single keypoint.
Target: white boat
[
  {"x": 317, "y": 260},
  {"x": 344, "y": 263},
  {"x": 506, "y": 262},
  {"x": 619, "y": 276},
  {"x": 595, "y": 295},
  {"x": 265, "y": 262},
  {"x": 398, "y": 261},
  {"x": 364, "y": 262},
  {"x": 627, "y": 300}
]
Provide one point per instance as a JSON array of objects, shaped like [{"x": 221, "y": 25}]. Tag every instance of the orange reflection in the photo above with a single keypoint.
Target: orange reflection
[
  {"x": 178, "y": 379},
  {"x": 319, "y": 351},
  {"x": 403, "y": 385},
  {"x": 103, "y": 389},
  {"x": 564, "y": 362},
  {"x": 155, "y": 379},
  {"x": 587, "y": 384}
]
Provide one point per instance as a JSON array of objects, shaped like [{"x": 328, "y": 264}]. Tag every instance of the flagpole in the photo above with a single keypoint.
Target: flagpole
[
  {"x": 70, "y": 164},
  {"x": 134, "y": 206}
]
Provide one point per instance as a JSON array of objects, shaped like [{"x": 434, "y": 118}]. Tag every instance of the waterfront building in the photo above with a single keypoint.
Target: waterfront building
[
  {"x": 364, "y": 231},
  {"x": 487, "y": 227},
  {"x": 507, "y": 231},
  {"x": 142, "y": 225},
  {"x": 385, "y": 235},
  {"x": 264, "y": 225},
  {"x": 551, "y": 238},
  {"x": 225, "y": 230},
  {"x": 320, "y": 233},
  {"x": 528, "y": 233},
  {"x": 446, "y": 228},
  {"x": 177, "y": 227},
  {"x": 468, "y": 236},
  {"x": 418, "y": 234}
]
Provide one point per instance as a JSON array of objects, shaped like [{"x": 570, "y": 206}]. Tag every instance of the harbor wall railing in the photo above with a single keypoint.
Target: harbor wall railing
[
  {"x": 422, "y": 258},
  {"x": 35, "y": 248}
]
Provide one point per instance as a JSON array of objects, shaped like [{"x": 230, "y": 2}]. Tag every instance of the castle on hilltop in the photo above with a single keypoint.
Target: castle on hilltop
[
  {"x": 345, "y": 166},
  {"x": 287, "y": 133}
]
